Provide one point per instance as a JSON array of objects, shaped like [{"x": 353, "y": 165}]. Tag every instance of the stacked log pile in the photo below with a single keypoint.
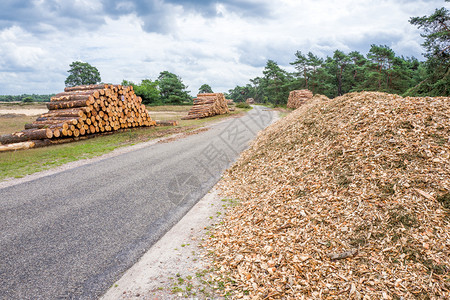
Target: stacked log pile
[
  {"x": 166, "y": 123},
  {"x": 81, "y": 111},
  {"x": 250, "y": 101},
  {"x": 207, "y": 105},
  {"x": 298, "y": 97},
  {"x": 231, "y": 104}
]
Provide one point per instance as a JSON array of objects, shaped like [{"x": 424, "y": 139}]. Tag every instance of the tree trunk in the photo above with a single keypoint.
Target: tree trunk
[
  {"x": 69, "y": 112},
  {"x": 86, "y": 87},
  {"x": 166, "y": 123},
  {"x": 26, "y": 135},
  {"x": 46, "y": 125},
  {"x": 70, "y": 104}
]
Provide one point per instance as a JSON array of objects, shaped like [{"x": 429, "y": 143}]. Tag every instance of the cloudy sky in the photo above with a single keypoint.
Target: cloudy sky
[{"x": 223, "y": 43}]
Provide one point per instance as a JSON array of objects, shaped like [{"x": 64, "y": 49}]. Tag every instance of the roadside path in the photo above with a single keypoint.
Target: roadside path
[{"x": 73, "y": 233}]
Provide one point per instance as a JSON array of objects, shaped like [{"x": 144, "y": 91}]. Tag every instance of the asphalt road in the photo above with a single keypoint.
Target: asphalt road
[{"x": 72, "y": 234}]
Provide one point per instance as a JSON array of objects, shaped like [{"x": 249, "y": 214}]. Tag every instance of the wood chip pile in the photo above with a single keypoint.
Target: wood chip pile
[
  {"x": 298, "y": 97},
  {"x": 342, "y": 199},
  {"x": 82, "y": 111},
  {"x": 250, "y": 101},
  {"x": 208, "y": 105}
]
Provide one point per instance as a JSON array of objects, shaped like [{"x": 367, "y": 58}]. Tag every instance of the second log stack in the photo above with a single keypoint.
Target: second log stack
[
  {"x": 207, "y": 105},
  {"x": 298, "y": 97}
]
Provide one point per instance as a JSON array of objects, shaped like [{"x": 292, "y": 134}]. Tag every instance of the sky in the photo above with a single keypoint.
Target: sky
[{"x": 222, "y": 43}]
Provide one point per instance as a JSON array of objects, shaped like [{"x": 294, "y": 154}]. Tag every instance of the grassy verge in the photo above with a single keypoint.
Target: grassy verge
[
  {"x": 12, "y": 122},
  {"x": 20, "y": 163}
]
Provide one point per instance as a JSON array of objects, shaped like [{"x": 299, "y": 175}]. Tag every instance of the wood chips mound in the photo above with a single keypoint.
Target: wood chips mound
[{"x": 346, "y": 198}]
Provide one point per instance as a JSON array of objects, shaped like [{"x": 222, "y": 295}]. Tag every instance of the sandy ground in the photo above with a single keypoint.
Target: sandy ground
[{"x": 23, "y": 111}]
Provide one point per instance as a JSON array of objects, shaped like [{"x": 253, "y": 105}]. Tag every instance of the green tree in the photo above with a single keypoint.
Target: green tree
[
  {"x": 172, "y": 89},
  {"x": 314, "y": 63},
  {"x": 338, "y": 65},
  {"x": 82, "y": 73},
  {"x": 358, "y": 68},
  {"x": 241, "y": 93},
  {"x": 257, "y": 91},
  {"x": 382, "y": 59},
  {"x": 147, "y": 90},
  {"x": 277, "y": 83},
  {"x": 301, "y": 63},
  {"x": 205, "y": 88},
  {"x": 436, "y": 29}
]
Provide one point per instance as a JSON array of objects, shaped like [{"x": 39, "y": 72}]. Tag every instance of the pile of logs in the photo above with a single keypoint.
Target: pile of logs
[
  {"x": 250, "y": 101},
  {"x": 298, "y": 97},
  {"x": 231, "y": 104},
  {"x": 207, "y": 105},
  {"x": 81, "y": 111},
  {"x": 166, "y": 123}
]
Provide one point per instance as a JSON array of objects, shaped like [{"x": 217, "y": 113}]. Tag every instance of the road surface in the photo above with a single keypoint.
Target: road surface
[{"x": 73, "y": 233}]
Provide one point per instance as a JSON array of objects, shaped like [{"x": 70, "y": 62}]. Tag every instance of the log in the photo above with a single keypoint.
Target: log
[
  {"x": 60, "y": 119},
  {"x": 86, "y": 87},
  {"x": 17, "y": 146},
  {"x": 166, "y": 123},
  {"x": 70, "y": 104},
  {"x": 26, "y": 135},
  {"x": 76, "y": 95},
  {"x": 70, "y": 121},
  {"x": 43, "y": 125},
  {"x": 69, "y": 112}
]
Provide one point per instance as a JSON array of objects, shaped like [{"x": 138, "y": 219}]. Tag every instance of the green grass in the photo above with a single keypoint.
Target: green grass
[
  {"x": 243, "y": 105},
  {"x": 18, "y": 164}
]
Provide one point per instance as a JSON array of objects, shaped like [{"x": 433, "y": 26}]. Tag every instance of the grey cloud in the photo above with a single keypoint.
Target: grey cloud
[
  {"x": 158, "y": 16},
  {"x": 243, "y": 8},
  {"x": 61, "y": 15}
]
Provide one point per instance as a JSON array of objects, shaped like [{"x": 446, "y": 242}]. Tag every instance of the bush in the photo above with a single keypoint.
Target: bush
[
  {"x": 243, "y": 105},
  {"x": 27, "y": 100}
]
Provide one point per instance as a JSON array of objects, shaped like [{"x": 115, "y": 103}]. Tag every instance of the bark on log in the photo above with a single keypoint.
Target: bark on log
[
  {"x": 44, "y": 125},
  {"x": 75, "y": 95},
  {"x": 69, "y": 104},
  {"x": 69, "y": 112},
  {"x": 26, "y": 135},
  {"x": 17, "y": 146},
  {"x": 86, "y": 87},
  {"x": 51, "y": 121},
  {"x": 166, "y": 123}
]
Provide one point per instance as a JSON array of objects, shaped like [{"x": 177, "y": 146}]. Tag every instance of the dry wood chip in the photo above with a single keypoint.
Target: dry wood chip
[
  {"x": 367, "y": 171},
  {"x": 342, "y": 255}
]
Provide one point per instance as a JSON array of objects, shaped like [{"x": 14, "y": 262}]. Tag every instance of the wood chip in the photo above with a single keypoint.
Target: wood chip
[
  {"x": 342, "y": 255},
  {"x": 327, "y": 178}
]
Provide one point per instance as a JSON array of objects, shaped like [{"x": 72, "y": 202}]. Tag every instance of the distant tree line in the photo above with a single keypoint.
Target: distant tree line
[
  {"x": 26, "y": 98},
  {"x": 380, "y": 70}
]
